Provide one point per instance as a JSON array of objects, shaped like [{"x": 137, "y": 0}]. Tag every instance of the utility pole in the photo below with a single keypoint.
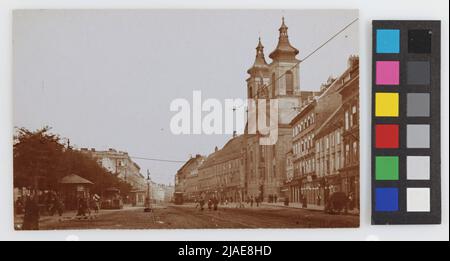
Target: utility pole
[{"x": 148, "y": 200}]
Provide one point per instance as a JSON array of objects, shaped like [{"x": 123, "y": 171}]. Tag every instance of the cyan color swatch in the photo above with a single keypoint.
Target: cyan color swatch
[
  {"x": 386, "y": 199},
  {"x": 388, "y": 41}
]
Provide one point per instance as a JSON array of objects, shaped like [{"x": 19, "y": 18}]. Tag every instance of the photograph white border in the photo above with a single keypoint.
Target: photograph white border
[{"x": 368, "y": 11}]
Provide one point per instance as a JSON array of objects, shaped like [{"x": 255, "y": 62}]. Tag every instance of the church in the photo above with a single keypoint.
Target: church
[{"x": 265, "y": 165}]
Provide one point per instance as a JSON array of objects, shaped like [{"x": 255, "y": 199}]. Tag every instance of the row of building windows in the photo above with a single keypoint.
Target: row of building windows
[
  {"x": 305, "y": 167},
  {"x": 328, "y": 141},
  {"x": 352, "y": 155},
  {"x": 303, "y": 124},
  {"x": 351, "y": 117},
  {"x": 329, "y": 164},
  {"x": 302, "y": 146}
]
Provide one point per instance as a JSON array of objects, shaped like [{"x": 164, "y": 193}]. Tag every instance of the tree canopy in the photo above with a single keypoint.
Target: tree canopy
[{"x": 41, "y": 160}]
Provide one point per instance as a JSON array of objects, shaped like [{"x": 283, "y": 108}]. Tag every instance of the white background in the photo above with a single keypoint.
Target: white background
[{"x": 369, "y": 10}]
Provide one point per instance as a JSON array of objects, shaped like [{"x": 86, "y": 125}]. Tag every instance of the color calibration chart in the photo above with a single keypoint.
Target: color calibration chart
[{"x": 406, "y": 187}]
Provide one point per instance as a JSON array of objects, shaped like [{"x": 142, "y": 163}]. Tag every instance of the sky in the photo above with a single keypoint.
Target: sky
[{"x": 106, "y": 78}]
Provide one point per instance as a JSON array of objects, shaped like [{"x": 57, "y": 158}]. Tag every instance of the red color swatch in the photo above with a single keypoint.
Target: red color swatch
[{"x": 386, "y": 136}]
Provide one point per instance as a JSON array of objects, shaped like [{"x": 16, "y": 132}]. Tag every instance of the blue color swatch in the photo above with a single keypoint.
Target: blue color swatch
[
  {"x": 386, "y": 199},
  {"x": 388, "y": 41}
]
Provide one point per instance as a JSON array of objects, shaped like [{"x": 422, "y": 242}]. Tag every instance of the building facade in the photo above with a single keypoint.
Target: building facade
[
  {"x": 329, "y": 158},
  {"x": 302, "y": 151},
  {"x": 221, "y": 175},
  {"x": 187, "y": 178},
  {"x": 161, "y": 193},
  {"x": 350, "y": 117},
  {"x": 119, "y": 163}
]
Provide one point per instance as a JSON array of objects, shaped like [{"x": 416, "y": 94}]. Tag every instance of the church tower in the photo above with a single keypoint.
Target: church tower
[
  {"x": 265, "y": 165},
  {"x": 284, "y": 69},
  {"x": 259, "y": 73}
]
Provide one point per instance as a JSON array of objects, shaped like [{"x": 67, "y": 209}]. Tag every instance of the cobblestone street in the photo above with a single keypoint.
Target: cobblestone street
[{"x": 187, "y": 216}]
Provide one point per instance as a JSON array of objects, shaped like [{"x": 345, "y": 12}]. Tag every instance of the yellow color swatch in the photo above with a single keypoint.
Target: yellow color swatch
[{"x": 386, "y": 104}]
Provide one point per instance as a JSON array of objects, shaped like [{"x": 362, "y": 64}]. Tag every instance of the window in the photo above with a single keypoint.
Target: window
[
  {"x": 261, "y": 152},
  {"x": 354, "y": 115},
  {"x": 346, "y": 120},
  {"x": 355, "y": 150},
  {"x": 337, "y": 161},
  {"x": 289, "y": 83},
  {"x": 347, "y": 153},
  {"x": 274, "y": 85},
  {"x": 332, "y": 166}
]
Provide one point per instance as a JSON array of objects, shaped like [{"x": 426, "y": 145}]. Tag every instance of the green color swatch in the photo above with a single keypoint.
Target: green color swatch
[{"x": 386, "y": 168}]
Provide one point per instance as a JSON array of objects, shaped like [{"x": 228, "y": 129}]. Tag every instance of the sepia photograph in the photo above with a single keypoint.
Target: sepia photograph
[{"x": 186, "y": 119}]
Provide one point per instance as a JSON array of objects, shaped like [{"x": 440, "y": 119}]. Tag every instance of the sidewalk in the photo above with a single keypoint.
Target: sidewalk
[
  {"x": 71, "y": 215},
  {"x": 295, "y": 205},
  {"x": 309, "y": 207}
]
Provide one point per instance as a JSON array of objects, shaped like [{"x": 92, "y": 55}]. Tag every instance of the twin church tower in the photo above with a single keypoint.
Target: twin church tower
[
  {"x": 265, "y": 165},
  {"x": 279, "y": 79}
]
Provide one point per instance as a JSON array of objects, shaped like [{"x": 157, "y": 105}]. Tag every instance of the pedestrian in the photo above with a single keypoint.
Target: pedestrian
[
  {"x": 258, "y": 199},
  {"x": 202, "y": 203},
  {"x": 59, "y": 205},
  {"x": 305, "y": 203},
  {"x": 251, "y": 201},
  {"x": 241, "y": 203},
  {"x": 31, "y": 216},
  {"x": 82, "y": 207},
  {"x": 215, "y": 203},
  {"x": 209, "y": 204},
  {"x": 96, "y": 203},
  {"x": 276, "y": 199},
  {"x": 350, "y": 202},
  {"x": 19, "y": 205},
  {"x": 319, "y": 199}
]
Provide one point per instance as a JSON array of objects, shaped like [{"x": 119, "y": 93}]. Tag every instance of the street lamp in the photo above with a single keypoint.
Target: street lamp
[{"x": 148, "y": 205}]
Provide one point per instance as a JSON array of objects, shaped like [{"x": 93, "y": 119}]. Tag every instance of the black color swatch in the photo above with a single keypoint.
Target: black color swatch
[{"x": 419, "y": 41}]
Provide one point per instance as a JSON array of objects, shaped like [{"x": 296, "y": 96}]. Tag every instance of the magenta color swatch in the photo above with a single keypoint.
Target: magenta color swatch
[{"x": 388, "y": 72}]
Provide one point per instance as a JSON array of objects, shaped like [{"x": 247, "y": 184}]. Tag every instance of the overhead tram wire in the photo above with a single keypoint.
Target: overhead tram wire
[{"x": 160, "y": 160}]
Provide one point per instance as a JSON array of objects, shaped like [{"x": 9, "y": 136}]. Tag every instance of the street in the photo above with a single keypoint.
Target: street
[{"x": 187, "y": 216}]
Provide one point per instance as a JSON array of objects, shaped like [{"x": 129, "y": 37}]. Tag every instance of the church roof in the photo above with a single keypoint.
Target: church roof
[
  {"x": 231, "y": 150},
  {"x": 260, "y": 63},
  {"x": 284, "y": 49}
]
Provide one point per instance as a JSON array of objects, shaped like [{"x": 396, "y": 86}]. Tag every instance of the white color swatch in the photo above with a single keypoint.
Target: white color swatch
[{"x": 418, "y": 199}]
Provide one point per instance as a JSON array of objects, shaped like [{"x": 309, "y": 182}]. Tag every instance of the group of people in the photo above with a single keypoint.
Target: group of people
[
  {"x": 86, "y": 204},
  {"x": 212, "y": 203},
  {"x": 49, "y": 202},
  {"x": 253, "y": 200},
  {"x": 34, "y": 204}
]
